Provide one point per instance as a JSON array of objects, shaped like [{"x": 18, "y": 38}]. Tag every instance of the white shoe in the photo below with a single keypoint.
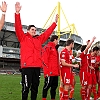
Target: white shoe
[
  {"x": 20, "y": 82},
  {"x": 91, "y": 98}
]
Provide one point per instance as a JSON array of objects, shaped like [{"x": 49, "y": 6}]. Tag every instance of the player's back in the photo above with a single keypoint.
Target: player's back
[{"x": 84, "y": 61}]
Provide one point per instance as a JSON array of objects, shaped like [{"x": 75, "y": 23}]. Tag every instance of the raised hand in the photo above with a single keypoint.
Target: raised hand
[
  {"x": 93, "y": 38},
  {"x": 17, "y": 7},
  {"x": 56, "y": 18},
  {"x": 3, "y": 7}
]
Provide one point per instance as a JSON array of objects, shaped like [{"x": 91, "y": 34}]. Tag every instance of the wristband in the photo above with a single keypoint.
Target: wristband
[{"x": 3, "y": 13}]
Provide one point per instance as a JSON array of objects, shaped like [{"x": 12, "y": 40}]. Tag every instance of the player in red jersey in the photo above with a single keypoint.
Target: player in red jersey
[
  {"x": 92, "y": 75},
  {"x": 83, "y": 69},
  {"x": 66, "y": 68},
  {"x": 61, "y": 88},
  {"x": 97, "y": 71}
]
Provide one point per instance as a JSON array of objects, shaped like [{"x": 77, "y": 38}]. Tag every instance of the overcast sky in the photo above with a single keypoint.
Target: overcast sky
[{"x": 85, "y": 14}]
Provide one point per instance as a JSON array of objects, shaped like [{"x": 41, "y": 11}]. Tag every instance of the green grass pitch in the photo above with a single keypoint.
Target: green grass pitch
[{"x": 10, "y": 88}]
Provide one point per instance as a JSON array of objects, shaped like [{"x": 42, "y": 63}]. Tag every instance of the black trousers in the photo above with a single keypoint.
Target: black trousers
[
  {"x": 30, "y": 80},
  {"x": 51, "y": 81}
]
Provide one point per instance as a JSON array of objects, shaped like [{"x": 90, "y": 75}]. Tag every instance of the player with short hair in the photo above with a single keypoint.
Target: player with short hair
[
  {"x": 97, "y": 71},
  {"x": 92, "y": 75},
  {"x": 66, "y": 68},
  {"x": 83, "y": 69}
]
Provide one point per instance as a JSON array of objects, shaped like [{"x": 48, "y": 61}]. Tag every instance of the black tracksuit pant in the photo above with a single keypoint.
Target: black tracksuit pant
[
  {"x": 51, "y": 81},
  {"x": 30, "y": 80}
]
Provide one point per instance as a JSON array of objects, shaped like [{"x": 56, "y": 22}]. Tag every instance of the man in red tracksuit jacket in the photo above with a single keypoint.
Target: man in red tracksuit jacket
[
  {"x": 30, "y": 49},
  {"x": 51, "y": 67}
]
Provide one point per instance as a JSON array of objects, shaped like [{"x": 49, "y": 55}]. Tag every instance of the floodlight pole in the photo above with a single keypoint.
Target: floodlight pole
[{"x": 58, "y": 30}]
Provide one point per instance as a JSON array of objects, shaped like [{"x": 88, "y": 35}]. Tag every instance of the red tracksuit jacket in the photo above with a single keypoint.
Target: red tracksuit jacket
[
  {"x": 52, "y": 61},
  {"x": 30, "y": 50}
]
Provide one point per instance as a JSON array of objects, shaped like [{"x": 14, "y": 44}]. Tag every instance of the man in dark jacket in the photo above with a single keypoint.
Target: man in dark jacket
[
  {"x": 51, "y": 67},
  {"x": 3, "y": 8},
  {"x": 30, "y": 50}
]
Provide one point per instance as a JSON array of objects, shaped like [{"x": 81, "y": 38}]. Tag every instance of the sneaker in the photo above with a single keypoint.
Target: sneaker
[
  {"x": 72, "y": 99},
  {"x": 91, "y": 98},
  {"x": 20, "y": 82}
]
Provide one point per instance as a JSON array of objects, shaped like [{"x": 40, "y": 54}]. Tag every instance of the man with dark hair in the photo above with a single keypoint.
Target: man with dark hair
[
  {"x": 53, "y": 37},
  {"x": 69, "y": 41},
  {"x": 96, "y": 49},
  {"x": 92, "y": 74},
  {"x": 3, "y": 8},
  {"x": 83, "y": 70},
  {"x": 31, "y": 46},
  {"x": 66, "y": 68},
  {"x": 51, "y": 67},
  {"x": 97, "y": 71},
  {"x": 29, "y": 27},
  {"x": 83, "y": 47}
]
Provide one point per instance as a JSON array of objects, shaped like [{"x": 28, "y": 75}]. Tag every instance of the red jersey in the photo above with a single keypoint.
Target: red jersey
[
  {"x": 66, "y": 71},
  {"x": 65, "y": 55},
  {"x": 98, "y": 60},
  {"x": 84, "y": 61},
  {"x": 97, "y": 69},
  {"x": 92, "y": 61}
]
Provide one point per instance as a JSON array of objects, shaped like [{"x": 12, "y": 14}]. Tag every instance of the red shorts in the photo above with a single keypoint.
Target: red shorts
[
  {"x": 83, "y": 78},
  {"x": 67, "y": 76},
  {"x": 92, "y": 79}
]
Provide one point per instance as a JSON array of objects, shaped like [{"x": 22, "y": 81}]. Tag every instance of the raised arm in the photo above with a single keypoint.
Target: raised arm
[
  {"x": 45, "y": 35},
  {"x": 3, "y": 9},
  {"x": 18, "y": 26},
  {"x": 89, "y": 45}
]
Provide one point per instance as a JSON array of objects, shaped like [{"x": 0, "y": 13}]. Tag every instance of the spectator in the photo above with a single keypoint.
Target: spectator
[{"x": 31, "y": 46}]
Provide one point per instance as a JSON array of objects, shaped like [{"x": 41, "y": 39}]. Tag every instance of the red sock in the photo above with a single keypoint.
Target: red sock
[
  {"x": 88, "y": 94},
  {"x": 94, "y": 92},
  {"x": 66, "y": 97},
  {"x": 71, "y": 92},
  {"x": 83, "y": 94},
  {"x": 61, "y": 90},
  {"x": 61, "y": 98},
  {"x": 43, "y": 98}
]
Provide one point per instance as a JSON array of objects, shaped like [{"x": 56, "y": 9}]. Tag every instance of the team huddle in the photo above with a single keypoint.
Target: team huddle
[
  {"x": 89, "y": 74},
  {"x": 54, "y": 64}
]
